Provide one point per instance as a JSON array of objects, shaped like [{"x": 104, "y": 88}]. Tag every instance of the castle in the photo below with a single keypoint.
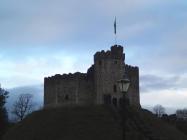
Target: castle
[{"x": 98, "y": 85}]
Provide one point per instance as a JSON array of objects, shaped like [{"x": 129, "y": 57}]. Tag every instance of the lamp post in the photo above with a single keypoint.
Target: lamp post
[{"x": 124, "y": 86}]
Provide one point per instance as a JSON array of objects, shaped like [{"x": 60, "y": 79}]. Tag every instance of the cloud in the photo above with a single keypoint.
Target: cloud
[
  {"x": 33, "y": 64},
  {"x": 171, "y": 57},
  {"x": 135, "y": 30},
  {"x": 44, "y": 22},
  {"x": 151, "y": 83},
  {"x": 168, "y": 98}
]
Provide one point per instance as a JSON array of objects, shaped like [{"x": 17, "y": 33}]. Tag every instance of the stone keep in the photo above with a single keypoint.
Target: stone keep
[{"x": 97, "y": 86}]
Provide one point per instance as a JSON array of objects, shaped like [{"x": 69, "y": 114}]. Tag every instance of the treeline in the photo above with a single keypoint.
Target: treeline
[
  {"x": 179, "y": 119},
  {"x": 179, "y": 123},
  {"x": 3, "y": 112}
]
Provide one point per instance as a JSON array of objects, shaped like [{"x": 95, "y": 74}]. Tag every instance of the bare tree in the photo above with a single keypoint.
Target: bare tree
[
  {"x": 23, "y": 106},
  {"x": 159, "y": 110}
]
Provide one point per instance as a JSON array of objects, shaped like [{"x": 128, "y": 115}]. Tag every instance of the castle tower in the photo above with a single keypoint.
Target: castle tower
[
  {"x": 109, "y": 68},
  {"x": 98, "y": 85}
]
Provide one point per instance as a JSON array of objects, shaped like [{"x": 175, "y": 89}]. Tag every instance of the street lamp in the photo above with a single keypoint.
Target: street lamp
[
  {"x": 124, "y": 103},
  {"x": 124, "y": 85}
]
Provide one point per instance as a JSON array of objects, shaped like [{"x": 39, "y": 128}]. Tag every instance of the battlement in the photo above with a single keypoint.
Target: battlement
[
  {"x": 115, "y": 52},
  {"x": 70, "y": 76},
  {"x": 132, "y": 72},
  {"x": 131, "y": 69},
  {"x": 90, "y": 72}
]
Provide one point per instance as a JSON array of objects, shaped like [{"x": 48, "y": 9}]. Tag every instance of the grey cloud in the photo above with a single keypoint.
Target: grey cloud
[
  {"x": 32, "y": 69},
  {"x": 156, "y": 83},
  {"x": 167, "y": 57},
  {"x": 44, "y": 22},
  {"x": 172, "y": 57}
]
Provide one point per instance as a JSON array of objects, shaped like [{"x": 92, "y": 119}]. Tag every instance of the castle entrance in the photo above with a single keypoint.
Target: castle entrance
[
  {"x": 115, "y": 102},
  {"x": 107, "y": 99}
]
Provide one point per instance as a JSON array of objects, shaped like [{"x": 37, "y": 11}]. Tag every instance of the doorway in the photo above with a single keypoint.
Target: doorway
[
  {"x": 115, "y": 102},
  {"x": 107, "y": 99}
]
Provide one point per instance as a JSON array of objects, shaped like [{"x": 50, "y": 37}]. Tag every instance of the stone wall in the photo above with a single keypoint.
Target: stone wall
[
  {"x": 68, "y": 89},
  {"x": 133, "y": 92},
  {"x": 109, "y": 68},
  {"x": 99, "y": 83}
]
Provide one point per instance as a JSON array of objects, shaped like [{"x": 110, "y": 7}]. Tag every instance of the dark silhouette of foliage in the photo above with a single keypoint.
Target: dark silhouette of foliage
[
  {"x": 165, "y": 117},
  {"x": 3, "y": 111},
  {"x": 178, "y": 122}
]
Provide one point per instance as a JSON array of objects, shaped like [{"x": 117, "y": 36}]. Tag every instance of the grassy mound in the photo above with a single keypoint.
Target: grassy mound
[
  {"x": 91, "y": 123},
  {"x": 157, "y": 128},
  {"x": 67, "y": 123}
]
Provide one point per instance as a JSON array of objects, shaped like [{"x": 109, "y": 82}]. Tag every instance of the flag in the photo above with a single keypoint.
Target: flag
[{"x": 115, "y": 26}]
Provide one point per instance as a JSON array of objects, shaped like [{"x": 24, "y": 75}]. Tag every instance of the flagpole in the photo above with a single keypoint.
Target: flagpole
[{"x": 115, "y": 39}]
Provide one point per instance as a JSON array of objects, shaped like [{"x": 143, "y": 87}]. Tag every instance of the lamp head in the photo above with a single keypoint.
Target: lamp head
[{"x": 124, "y": 85}]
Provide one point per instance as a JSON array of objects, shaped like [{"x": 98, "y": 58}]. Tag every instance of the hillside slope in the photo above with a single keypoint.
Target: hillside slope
[
  {"x": 151, "y": 127},
  {"x": 91, "y": 123},
  {"x": 67, "y": 123}
]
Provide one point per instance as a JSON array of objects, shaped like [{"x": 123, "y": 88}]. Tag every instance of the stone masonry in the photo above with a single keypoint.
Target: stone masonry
[{"x": 98, "y": 85}]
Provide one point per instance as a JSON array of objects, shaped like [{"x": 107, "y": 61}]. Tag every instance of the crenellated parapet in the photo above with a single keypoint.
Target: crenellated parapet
[
  {"x": 116, "y": 52},
  {"x": 65, "y": 77},
  {"x": 90, "y": 72},
  {"x": 131, "y": 69},
  {"x": 132, "y": 73}
]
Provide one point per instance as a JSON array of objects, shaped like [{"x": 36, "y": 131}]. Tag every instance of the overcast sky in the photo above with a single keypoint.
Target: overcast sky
[{"x": 40, "y": 38}]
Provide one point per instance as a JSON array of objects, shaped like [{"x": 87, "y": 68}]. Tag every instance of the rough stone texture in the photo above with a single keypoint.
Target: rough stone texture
[{"x": 98, "y": 85}]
